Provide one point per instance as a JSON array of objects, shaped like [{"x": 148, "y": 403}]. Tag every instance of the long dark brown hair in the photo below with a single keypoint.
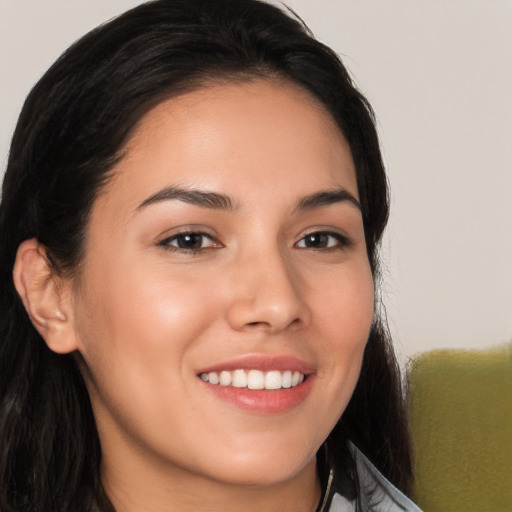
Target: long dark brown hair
[{"x": 70, "y": 134}]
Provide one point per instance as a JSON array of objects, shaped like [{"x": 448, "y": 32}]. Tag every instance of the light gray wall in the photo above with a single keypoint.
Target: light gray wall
[{"x": 439, "y": 75}]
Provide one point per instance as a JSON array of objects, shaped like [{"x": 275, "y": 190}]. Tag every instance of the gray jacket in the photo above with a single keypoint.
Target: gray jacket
[{"x": 376, "y": 494}]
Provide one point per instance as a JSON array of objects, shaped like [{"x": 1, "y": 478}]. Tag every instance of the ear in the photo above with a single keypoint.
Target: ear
[{"x": 46, "y": 297}]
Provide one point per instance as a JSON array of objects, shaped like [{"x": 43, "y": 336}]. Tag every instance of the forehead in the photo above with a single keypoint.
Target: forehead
[{"x": 255, "y": 133}]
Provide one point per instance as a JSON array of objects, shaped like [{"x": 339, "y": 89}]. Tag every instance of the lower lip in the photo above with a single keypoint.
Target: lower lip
[{"x": 263, "y": 401}]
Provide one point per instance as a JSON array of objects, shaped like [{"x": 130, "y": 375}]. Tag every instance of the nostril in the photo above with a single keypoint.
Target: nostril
[
  {"x": 273, "y": 326},
  {"x": 258, "y": 325}
]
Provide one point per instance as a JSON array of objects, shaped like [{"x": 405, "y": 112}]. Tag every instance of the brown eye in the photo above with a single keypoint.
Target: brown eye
[
  {"x": 322, "y": 240},
  {"x": 189, "y": 242},
  {"x": 317, "y": 240}
]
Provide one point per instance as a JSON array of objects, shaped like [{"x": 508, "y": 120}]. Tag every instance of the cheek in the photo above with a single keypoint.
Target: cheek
[
  {"x": 136, "y": 327},
  {"x": 344, "y": 306},
  {"x": 135, "y": 307},
  {"x": 344, "y": 313},
  {"x": 137, "y": 331}
]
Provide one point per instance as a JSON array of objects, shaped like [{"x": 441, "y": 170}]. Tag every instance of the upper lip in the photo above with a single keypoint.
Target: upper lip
[{"x": 262, "y": 362}]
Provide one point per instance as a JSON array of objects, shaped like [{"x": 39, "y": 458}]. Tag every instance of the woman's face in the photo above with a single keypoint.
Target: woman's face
[{"x": 228, "y": 246}]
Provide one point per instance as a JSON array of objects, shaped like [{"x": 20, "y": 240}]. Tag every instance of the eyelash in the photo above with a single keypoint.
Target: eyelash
[
  {"x": 340, "y": 241},
  {"x": 181, "y": 236}
]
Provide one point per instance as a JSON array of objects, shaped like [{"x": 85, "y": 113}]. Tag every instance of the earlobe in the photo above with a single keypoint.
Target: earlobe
[{"x": 45, "y": 296}]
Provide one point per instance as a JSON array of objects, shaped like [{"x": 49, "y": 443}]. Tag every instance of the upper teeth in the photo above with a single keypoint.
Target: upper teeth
[{"x": 255, "y": 379}]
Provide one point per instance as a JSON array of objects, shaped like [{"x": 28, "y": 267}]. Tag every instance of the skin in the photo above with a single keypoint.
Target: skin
[{"x": 147, "y": 316}]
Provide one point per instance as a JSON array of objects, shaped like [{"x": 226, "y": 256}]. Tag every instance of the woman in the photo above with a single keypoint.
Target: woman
[{"x": 190, "y": 221}]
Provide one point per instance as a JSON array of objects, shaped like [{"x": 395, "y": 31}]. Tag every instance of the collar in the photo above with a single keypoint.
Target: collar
[{"x": 362, "y": 489}]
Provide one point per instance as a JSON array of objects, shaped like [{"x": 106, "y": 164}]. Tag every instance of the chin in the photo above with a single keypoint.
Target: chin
[
  {"x": 263, "y": 466},
  {"x": 266, "y": 474}
]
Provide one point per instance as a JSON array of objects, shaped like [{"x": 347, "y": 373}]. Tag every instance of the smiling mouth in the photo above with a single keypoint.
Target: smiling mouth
[{"x": 255, "y": 379}]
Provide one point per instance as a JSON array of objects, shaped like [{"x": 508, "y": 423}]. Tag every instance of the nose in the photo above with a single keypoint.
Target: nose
[{"x": 268, "y": 295}]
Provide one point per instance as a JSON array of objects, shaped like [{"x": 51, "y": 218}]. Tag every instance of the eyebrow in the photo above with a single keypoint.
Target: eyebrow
[
  {"x": 217, "y": 201},
  {"x": 327, "y": 198},
  {"x": 196, "y": 197}
]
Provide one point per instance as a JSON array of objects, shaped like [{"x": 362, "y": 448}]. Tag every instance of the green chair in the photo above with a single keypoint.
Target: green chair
[{"x": 461, "y": 419}]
